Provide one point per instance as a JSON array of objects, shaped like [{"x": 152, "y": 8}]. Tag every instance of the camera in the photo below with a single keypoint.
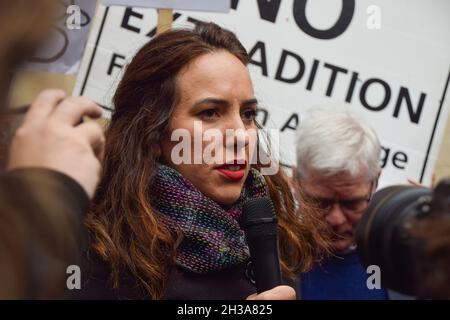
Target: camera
[{"x": 406, "y": 232}]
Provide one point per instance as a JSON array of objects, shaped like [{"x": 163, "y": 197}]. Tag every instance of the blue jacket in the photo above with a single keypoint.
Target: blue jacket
[{"x": 338, "y": 278}]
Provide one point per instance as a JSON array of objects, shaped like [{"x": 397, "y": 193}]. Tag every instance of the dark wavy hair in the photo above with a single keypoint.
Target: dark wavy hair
[{"x": 127, "y": 233}]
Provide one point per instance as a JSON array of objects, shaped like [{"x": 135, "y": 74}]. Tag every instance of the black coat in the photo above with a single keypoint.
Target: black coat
[{"x": 229, "y": 284}]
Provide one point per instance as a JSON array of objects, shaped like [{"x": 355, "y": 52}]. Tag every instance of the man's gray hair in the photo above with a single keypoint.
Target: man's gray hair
[{"x": 332, "y": 142}]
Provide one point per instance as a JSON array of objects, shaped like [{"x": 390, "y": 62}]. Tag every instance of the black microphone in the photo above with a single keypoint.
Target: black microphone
[{"x": 260, "y": 226}]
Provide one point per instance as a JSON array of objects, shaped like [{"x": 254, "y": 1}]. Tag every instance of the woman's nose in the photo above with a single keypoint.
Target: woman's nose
[{"x": 236, "y": 135}]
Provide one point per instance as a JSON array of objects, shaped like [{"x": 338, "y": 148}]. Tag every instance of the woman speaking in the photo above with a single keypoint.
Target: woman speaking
[{"x": 162, "y": 228}]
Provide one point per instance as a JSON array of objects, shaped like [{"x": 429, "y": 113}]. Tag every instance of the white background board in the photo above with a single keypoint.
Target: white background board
[
  {"x": 385, "y": 75},
  {"x": 200, "y": 5}
]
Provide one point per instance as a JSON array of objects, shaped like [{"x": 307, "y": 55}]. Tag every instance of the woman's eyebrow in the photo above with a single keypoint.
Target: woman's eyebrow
[
  {"x": 225, "y": 103},
  {"x": 211, "y": 101},
  {"x": 249, "y": 102}
]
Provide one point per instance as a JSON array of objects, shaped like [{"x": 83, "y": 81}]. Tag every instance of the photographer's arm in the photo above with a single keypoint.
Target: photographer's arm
[
  {"x": 41, "y": 232},
  {"x": 54, "y": 167}
]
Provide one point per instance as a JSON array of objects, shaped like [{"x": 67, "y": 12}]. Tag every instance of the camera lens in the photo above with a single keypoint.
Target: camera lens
[{"x": 382, "y": 235}]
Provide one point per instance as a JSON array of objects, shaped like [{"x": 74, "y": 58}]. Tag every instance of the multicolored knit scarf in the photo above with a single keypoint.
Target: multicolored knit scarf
[{"x": 212, "y": 238}]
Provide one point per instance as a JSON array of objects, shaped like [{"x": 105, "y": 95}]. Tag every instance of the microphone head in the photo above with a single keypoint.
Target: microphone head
[{"x": 259, "y": 216}]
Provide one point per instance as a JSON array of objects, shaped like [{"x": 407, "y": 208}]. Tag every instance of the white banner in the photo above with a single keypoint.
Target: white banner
[
  {"x": 194, "y": 5},
  {"x": 385, "y": 60}
]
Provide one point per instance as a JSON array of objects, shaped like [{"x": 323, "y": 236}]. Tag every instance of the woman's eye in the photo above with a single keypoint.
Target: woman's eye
[
  {"x": 209, "y": 114},
  {"x": 249, "y": 115}
]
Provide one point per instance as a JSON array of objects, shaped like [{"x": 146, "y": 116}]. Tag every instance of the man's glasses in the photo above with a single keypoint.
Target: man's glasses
[
  {"x": 349, "y": 205},
  {"x": 355, "y": 205}
]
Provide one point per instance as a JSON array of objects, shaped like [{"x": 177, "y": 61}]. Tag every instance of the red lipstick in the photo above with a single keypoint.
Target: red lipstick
[{"x": 233, "y": 171}]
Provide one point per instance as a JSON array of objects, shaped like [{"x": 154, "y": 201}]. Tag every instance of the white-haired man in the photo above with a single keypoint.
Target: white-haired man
[{"x": 337, "y": 171}]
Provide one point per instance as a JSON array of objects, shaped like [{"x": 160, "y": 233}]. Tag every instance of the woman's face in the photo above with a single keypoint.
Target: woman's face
[{"x": 215, "y": 98}]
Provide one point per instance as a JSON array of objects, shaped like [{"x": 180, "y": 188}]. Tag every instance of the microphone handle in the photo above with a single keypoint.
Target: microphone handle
[{"x": 266, "y": 263}]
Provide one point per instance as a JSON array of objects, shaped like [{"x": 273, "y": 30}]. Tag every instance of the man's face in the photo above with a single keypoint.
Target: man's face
[{"x": 341, "y": 199}]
